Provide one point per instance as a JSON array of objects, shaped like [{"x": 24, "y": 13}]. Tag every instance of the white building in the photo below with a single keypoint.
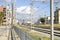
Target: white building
[
  {"x": 47, "y": 20},
  {"x": 15, "y": 21},
  {"x": 57, "y": 16}
]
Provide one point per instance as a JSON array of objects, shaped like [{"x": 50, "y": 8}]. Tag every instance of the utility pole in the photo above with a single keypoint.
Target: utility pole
[
  {"x": 31, "y": 9},
  {"x": 12, "y": 20},
  {"x": 52, "y": 20},
  {"x": 6, "y": 12},
  {"x": 12, "y": 17},
  {"x": 13, "y": 11},
  {"x": 45, "y": 18}
]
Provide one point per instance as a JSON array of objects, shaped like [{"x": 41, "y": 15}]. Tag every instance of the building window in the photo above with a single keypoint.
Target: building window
[{"x": 4, "y": 10}]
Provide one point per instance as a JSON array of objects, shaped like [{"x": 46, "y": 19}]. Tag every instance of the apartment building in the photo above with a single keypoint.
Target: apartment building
[
  {"x": 3, "y": 10},
  {"x": 57, "y": 16}
]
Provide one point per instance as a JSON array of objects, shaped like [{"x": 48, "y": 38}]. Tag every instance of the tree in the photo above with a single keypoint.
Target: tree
[
  {"x": 42, "y": 20},
  {"x": 1, "y": 17}
]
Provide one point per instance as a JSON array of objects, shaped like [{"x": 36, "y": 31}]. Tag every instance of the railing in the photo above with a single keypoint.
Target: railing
[
  {"x": 24, "y": 35},
  {"x": 27, "y": 34}
]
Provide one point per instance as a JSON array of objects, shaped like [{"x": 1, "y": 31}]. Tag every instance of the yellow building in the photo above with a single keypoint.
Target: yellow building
[
  {"x": 57, "y": 16},
  {"x": 3, "y": 10}
]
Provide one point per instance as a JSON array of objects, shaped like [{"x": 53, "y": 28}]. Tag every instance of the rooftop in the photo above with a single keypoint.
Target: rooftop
[{"x": 1, "y": 8}]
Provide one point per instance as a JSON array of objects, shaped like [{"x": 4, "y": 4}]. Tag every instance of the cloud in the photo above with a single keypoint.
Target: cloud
[
  {"x": 41, "y": 0},
  {"x": 5, "y": 0},
  {"x": 46, "y": 0},
  {"x": 25, "y": 9}
]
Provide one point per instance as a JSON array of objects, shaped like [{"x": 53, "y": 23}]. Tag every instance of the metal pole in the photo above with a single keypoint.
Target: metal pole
[
  {"x": 52, "y": 20},
  {"x": 12, "y": 17},
  {"x": 12, "y": 22},
  {"x": 6, "y": 12},
  {"x": 6, "y": 16},
  {"x": 31, "y": 12},
  {"x": 45, "y": 18}
]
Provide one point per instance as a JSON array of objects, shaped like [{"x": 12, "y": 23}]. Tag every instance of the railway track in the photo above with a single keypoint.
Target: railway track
[
  {"x": 44, "y": 30},
  {"x": 56, "y": 32}
]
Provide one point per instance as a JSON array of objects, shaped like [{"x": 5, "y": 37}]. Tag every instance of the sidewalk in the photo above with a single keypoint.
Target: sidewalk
[
  {"x": 14, "y": 35},
  {"x": 4, "y": 32}
]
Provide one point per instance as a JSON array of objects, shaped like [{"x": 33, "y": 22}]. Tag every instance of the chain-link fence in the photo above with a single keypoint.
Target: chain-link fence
[{"x": 24, "y": 35}]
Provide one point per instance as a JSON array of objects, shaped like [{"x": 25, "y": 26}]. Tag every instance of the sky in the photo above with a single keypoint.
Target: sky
[
  {"x": 23, "y": 9},
  {"x": 40, "y": 9}
]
